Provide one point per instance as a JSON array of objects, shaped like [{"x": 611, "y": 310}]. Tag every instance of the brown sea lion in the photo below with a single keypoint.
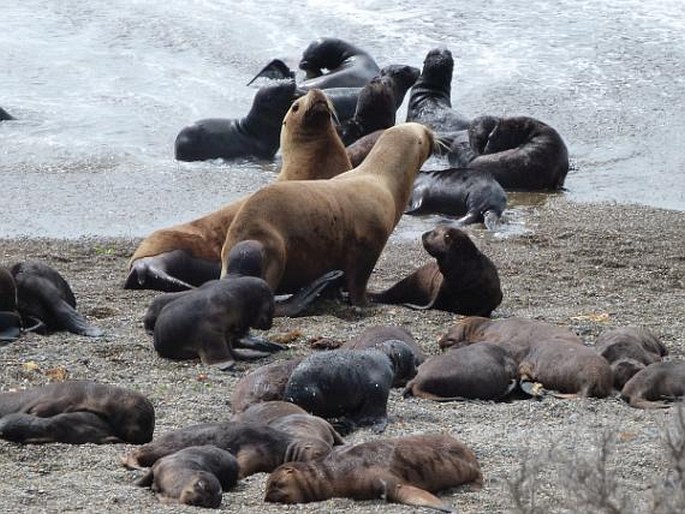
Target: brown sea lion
[
  {"x": 209, "y": 321},
  {"x": 628, "y": 350},
  {"x": 461, "y": 280},
  {"x": 657, "y": 384},
  {"x": 358, "y": 150},
  {"x": 10, "y": 319},
  {"x": 483, "y": 371},
  {"x": 404, "y": 470},
  {"x": 373, "y": 336},
  {"x": 258, "y": 448},
  {"x": 192, "y": 476},
  {"x": 262, "y": 384},
  {"x": 99, "y": 412},
  {"x": 185, "y": 255},
  {"x": 263, "y": 413},
  {"x": 311, "y": 227},
  {"x": 375, "y": 111}
]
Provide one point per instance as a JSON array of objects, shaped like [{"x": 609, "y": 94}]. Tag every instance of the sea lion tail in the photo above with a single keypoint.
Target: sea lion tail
[
  {"x": 297, "y": 303},
  {"x": 275, "y": 70}
]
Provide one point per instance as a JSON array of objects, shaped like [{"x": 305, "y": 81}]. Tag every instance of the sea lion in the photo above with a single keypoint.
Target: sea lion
[
  {"x": 263, "y": 413},
  {"x": 628, "y": 350},
  {"x": 189, "y": 254},
  {"x": 192, "y": 476},
  {"x": 5, "y": 116},
  {"x": 373, "y": 336},
  {"x": 657, "y": 384},
  {"x": 358, "y": 150},
  {"x": 208, "y": 321},
  {"x": 461, "y": 280},
  {"x": 77, "y": 411},
  {"x": 350, "y": 387},
  {"x": 472, "y": 194},
  {"x": 43, "y": 294},
  {"x": 430, "y": 97},
  {"x": 308, "y": 228},
  {"x": 404, "y": 470},
  {"x": 255, "y": 135},
  {"x": 10, "y": 319},
  {"x": 258, "y": 448},
  {"x": 483, "y": 371},
  {"x": 521, "y": 153},
  {"x": 263, "y": 384}
]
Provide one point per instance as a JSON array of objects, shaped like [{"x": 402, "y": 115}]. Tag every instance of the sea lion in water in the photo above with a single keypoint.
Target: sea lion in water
[
  {"x": 263, "y": 384},
  {"x": 629, "y": 350},
  {"x": 189, "y": 254},
  {"x": 96, "y": 412},
  {"x": 208, "y": 321},
  {"x": 404, "y": 470},
  {"x": 483, "y": 371},
  {"x": 657, "y": 384},
  {"x": 308, "y": 228},
  {"x": 10, "y": 320},
  {"x": 255, "y": 135},
  {"x": 461, "y": 280},
  {"x": 472, "y": 194},
  {"x": 521, "y": 153},
  {"x": 43, "y": 294},
  {"x": 358, "y": 150},
  {"x": 192, "y": 476},
  {"x": 257, "y": 448}
]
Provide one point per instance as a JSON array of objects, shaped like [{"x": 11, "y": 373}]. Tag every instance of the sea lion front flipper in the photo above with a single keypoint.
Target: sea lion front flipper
[
  {"x": 146, "y": 479},
  {"x": 74, "y": 322},
  {"x": 297, "y": 303},
  {"x": 10, "y": 327},
  {"x": 259, "y": 344},
  {"x": 532, "y": 388},
  {"x": 410, "y": 495},
  {"x": 275, "y": 70},
  {"x": 144, "y": 276},
  {"x": 248, "y": 355},
  {"x": 491, "y": 220}
]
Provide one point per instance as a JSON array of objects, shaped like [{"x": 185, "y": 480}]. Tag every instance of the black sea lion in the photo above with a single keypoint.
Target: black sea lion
[
  {"x": 483, "y": 371},
  {"x": 348, "y": 386},
  {"x": 263, "y": 384},
  {"x": 255, "y": 135},
  {"x": 521, "y": 153},
  {"x": 311, "y": 227},
  {"x": 430, "y": 97},
  {"x": 461, "y": 280},
  {"x": 208, "y": 321},
  {"x": 96, "y": 412},
  {"x": 628, "y": 350},
  {"x": 5, "y": 116},
  {"x": 192, "y": 476},
  {"x": 404, "y": 470},
  {"x": 10, "y": 320},
  {"x": 657, "y": 384},
  {"x": 472, "y": 194},
  {"x": 189, "y": 254},
  {"x": 258, "y": 448},
  {"x": 43, "y": 294}
]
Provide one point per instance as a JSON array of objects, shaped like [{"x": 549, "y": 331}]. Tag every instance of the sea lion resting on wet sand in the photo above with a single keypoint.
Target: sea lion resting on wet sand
[
  {"x": 308, "y": 228},
  {"x": 189, "y": 254},
  {"x": 629, "y": 350},
  {"x": 76, "y": 412},
  {"x": 258, "y": 448},
  {"x": 461, "y": 280},
  {"x": 192, "y": 476},
  {"x": 404, "y": 470},
  {"x": 657, "y": 384}
]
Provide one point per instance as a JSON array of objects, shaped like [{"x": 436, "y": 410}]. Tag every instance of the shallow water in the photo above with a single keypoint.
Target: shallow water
[{"x": 101, "y": 89}]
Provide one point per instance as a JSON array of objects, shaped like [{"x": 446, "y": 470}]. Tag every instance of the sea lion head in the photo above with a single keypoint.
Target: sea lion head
[
  {"x": 402, "y": 75},
  {"x": 288, "y": 484},
  {"x": 246, "y": 258},
  {"x": 437, "y": 68},
  {"x": 403, "y": 360},
  {"x": 272, "y": 102},
  {"x": 624, "y": 369},
  {"x": 462, "y": 333},
  {"x": 134, "y": 419},
  {"x": 304, "y": 450},
  {"x": 446, "y": 241},
  {"x": 307, "y": 116},
  {"x": 324, "y": 53},
  {"x": 204, "y": 490}
]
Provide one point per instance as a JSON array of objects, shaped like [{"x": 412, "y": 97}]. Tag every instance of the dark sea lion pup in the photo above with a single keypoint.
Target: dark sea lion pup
[
  {"x": 255, "y": 135},
  {"x": 192, "y": 476},
  {"x": 405, "y": 470},
  {"x": 43, "y": 294},
  {"x": 10, "y": 320},
  {"x": 461, "y": 279}
]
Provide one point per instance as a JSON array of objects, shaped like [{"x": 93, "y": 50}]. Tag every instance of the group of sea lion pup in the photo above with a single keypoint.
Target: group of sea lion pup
[{"x": 323, "y": 224}]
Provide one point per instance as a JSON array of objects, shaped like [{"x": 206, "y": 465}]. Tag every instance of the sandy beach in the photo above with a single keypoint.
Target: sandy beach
[{"x": 589, "y": 267}]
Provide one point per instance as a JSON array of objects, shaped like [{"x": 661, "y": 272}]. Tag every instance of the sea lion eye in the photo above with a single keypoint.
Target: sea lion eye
[
  {"x": 296, "y": 107},
  {"x": 447, "y": 236}
]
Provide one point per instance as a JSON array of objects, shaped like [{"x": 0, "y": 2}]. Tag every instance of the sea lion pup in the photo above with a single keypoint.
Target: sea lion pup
[
  {"x": 10, "y": 320},
  {"x": 308, "y": 228},
  {"x": 375, "y": 111},
  {"x": 255, "y": 135},
  {"x": 5, "y": 116},
  {"x": 483, "y": 371},
  {"x": 263, "y": 384},
  {"x": 461, "y": 280},
  {"x": 258, "y": 448},
  {"x": 114, "y": 413},
  {"x": 209, "y": 321},
  {"x": 404, "y": 470},
  {"x": 657, "y": 384},
  {"x": 522, "y": 153},
  {"x": 192, "y": 476},
  {"x": 70, "y": 427},
  {"x": 472, "y": 194},
  {"x": 185, "y": 255},
  {"x": 263, "y": 413},
  {"x": 429, "y": 98},
  {"x": 350, "y": 387},
  {"x": 628, "y": 350},
  {"x": 358, "y": 150},
  {"x": 43, "y": 294},
  {"x": 378, "y": 334}
]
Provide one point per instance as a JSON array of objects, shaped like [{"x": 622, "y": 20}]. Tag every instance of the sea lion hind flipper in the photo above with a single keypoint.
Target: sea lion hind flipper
[
  {"x": 144, "y": 276},
  {"x": 491, "y": 220},
  {"x": 146, "y": 479},
  {"x": 10, "y": 327},
  {"x": 248, "y": 355},
  {"x": 74, "y": 322},
  {"x": 416, "y": 497},
  {"x": 275, "y": 70},
  {"x": 260, "y": 344},
  {"x": 297, "y": 303}
]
